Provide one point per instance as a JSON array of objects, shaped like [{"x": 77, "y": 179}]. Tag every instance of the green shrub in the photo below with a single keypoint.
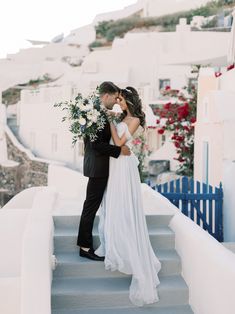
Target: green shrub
[
  {"x": 102, "y": 28},
  {"x": 95, "y": 44}
]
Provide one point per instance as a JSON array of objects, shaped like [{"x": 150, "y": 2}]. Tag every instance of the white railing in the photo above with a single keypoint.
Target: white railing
[
  {"x": 27, "y": 151},
  {"x": 37, "y": 255},
  {"x": 207, "y": 267},
  {"x": 29, "y": 259}
]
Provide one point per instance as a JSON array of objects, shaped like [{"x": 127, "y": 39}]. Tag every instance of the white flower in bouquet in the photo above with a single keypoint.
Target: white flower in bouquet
[
  {"x": 88, "y": 107},
  {"x": 89, "y": 115},
  {"x": 81, "y": 106},
  {"x": 93, "y": 115},
  {"x": 89, "y": 123},
  {"x": 82, "y": 121},
  {"x": 94, "y": 119},
  {"x": 85, "y": 115}
]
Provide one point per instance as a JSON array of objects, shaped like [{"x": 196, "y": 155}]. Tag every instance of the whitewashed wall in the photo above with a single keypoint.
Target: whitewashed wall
[
  {"x": 33, "y": 63},
  {"x": 163, "y": 55},
  {"x": 51, "y": 51},
  {"x": 216, "y": 126},
  {"x": 82, "y": 35},
  {"x": 14, "y": 72},
  {"x": 207, "y": 267},
  {"x": 40, "y": 126},
  {"x": 26, "y": 268},
  {"x": 10, "y": 265},
  {"x": 148, "y": 8}
]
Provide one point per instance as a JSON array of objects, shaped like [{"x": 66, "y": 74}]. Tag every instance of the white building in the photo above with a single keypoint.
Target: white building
[
  {"x": 41, "y": 128},
  {"x": 136, "y": 8},
  {"x": 150, "y": 60},
  {"x": 147, "y": 60},
  {"x": 214, "y": 138},
  {"x": 30, "y": 64},
  {"x": 150, "y": 8},
  {"x": 159, "y": 7},
  {"x": 163, "y": 59},
  {"x": 83, "y": 35}
]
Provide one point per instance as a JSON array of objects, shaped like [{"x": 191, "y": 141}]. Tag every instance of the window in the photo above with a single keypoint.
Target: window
[
  {"x": 163, "y": 83},
  {"x": 192, "y": 82},
  {"x": 163, "y": 139}
]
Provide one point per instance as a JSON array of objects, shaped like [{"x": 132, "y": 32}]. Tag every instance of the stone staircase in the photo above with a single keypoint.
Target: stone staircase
[{"x": 84, "y": 286}]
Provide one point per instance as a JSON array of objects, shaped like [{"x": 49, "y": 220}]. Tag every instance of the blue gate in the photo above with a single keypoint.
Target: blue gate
[{"x": 199, "y": 203}]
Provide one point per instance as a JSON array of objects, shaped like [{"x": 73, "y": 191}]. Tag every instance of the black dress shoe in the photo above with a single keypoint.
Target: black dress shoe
[{"x": 91, "y": 255}]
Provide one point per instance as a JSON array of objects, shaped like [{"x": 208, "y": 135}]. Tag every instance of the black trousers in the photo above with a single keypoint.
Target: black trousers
[{"x": 94, "y": 194}]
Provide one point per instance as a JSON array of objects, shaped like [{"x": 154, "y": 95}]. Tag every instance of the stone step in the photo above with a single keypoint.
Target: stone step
[
  {"x": 65, "y": 240},
  {"x": 84, "y": 293},
  {"x": 73, "y": 221},
  {"x": 184, "y": 309},
  {"x": 73, "y": 265}
]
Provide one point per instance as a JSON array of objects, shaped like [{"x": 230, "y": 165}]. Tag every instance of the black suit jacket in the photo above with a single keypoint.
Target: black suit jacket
[{"x": 97, "y": 153}]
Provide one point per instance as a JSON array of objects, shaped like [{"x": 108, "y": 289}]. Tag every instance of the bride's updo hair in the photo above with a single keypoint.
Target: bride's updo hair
[{"x": 134, "y": 104}]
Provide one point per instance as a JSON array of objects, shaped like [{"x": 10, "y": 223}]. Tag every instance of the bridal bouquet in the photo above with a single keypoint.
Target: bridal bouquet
[{"x": 85, "y": 116}]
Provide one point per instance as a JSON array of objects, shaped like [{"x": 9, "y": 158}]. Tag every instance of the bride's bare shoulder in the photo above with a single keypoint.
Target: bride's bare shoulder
[
  {"x": 133, "y": 124},
  {"x": 132, "y": 120}
]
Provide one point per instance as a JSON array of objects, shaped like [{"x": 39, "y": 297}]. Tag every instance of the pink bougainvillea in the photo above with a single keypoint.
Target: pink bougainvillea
[{"x": 180, "y": 118}]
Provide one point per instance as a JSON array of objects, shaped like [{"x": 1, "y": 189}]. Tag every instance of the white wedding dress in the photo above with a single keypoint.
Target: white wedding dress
[{"x": 123, "y": 230}]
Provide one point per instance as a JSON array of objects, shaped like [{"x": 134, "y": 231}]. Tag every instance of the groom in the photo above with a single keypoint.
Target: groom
[{"x": 96, "y": 167}]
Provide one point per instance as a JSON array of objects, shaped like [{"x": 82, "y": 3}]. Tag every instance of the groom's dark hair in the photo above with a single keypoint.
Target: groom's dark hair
[{"x": 108, "y": 88}]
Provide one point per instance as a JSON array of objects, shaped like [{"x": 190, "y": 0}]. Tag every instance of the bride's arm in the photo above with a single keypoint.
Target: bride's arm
[{"x": 120, "y": 141}]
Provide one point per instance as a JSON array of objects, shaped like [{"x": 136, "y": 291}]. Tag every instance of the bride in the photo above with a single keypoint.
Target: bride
[{"x": 122, "y": 227}]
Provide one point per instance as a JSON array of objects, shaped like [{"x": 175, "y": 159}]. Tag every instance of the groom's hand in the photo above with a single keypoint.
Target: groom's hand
[{"x": 125, "y": 150}]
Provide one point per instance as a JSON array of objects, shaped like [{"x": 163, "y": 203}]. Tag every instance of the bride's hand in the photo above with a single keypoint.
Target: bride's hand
[
  {"x": 111, "y": 113},
  {"x": 125, "y": 150},
  {"x": 112, "y": 116}
]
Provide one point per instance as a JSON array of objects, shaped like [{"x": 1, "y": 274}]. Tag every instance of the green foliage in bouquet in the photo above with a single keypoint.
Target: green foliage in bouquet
[{"x": 85, "y": 115}]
